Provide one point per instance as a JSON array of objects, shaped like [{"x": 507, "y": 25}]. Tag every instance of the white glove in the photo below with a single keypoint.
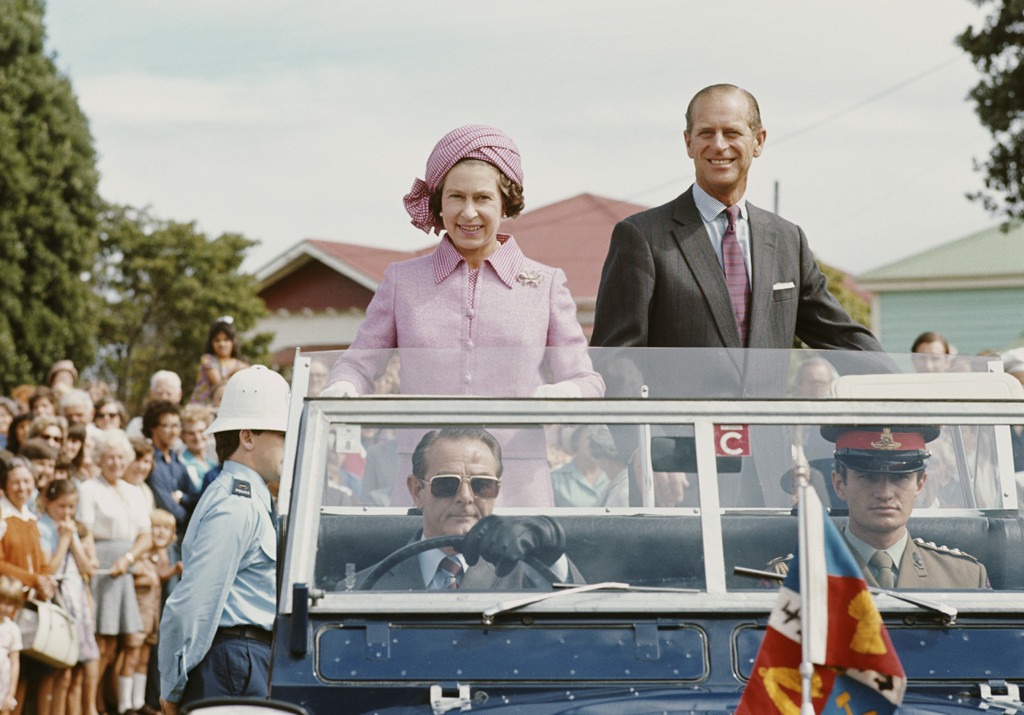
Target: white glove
[
  {"x": 342, "y": 388},
  {"x": 559, "y": 389}
]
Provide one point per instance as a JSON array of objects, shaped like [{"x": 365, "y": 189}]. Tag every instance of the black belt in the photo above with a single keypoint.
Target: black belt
[{"x": 251, "y": 632}]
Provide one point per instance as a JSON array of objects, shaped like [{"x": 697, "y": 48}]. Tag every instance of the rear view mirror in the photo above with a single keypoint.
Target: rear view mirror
[{"x": 679, "y": 454}]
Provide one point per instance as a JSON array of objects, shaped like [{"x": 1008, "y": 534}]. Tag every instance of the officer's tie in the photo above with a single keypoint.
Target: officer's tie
[
  {"x": 881, "y": 563},
  {"x": 736, "y": 274},
  {"x": 448, "y": 573}
]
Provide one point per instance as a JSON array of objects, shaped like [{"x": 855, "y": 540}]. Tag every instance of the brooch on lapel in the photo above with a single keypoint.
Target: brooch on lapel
[{"x": 530, "y": 278}]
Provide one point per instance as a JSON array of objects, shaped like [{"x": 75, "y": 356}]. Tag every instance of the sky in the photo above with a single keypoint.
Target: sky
[{"x": 285, "y": 120}]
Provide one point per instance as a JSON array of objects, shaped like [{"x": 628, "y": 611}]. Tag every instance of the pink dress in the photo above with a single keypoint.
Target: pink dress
[
  {"x": 203, "y": 392},
  {"x": 502, "y": 332}
]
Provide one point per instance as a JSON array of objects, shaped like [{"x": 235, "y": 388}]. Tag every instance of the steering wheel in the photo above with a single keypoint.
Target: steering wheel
[{"x": 438, "y": 542}]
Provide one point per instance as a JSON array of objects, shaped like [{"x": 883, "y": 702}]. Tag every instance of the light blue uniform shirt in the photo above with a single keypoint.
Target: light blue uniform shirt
[{"x": 229, "y": 559}]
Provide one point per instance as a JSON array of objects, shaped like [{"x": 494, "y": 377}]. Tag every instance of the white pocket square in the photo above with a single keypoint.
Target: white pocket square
[{"x": 784, "y": 286}]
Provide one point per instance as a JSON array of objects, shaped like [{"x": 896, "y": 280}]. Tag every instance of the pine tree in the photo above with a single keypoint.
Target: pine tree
[{"x": 48, "y": 206}]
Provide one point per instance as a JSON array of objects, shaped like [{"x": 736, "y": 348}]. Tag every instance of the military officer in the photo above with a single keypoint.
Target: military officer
[
  {"x": 879, "y": 471},
  {"x": 215, "y": 633}
]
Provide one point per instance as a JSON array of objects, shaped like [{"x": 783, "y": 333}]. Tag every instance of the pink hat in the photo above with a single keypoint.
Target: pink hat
[{"x": 473, "y": 141}]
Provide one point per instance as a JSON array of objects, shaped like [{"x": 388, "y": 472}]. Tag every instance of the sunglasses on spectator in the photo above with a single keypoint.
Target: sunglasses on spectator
[{"x": 446, "y": 486}]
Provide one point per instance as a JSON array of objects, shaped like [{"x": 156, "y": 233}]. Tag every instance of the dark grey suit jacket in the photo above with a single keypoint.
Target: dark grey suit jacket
[
  {"x": 662, "y": 286},
  {"x": 406, "y": 576}
]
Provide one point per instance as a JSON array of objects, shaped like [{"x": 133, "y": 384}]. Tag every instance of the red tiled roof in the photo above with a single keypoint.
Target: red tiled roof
[
  {"x": 573, "y": 235},
  {"x": 366, "y": 259}
]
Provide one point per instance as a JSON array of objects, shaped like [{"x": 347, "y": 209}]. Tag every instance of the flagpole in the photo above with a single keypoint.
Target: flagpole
[{"x": 806, "y": 666}]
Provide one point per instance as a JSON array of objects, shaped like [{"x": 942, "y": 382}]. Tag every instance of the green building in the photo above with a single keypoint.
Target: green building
[{"x": 971, "y": 290}]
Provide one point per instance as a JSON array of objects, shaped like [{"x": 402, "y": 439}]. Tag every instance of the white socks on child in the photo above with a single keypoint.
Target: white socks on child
[
  {"x": 124, "y": 693},
  {"x": 138, "y": 691}
]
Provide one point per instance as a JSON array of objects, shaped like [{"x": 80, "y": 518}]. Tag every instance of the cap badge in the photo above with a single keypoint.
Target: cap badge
[
  {"x": 886, "y": 441},
  {"x": 530, "y": 278}
]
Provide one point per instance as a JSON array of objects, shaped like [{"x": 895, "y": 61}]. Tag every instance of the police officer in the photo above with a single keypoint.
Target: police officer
[
  {"x": 879, "y": 471},
  {"x": 216, "y": 628}
]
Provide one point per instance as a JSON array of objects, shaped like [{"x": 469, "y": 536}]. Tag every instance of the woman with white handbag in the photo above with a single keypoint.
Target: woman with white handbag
[
  {"x": 73, "y": 566},
  {"x": 22, "y": 558}
]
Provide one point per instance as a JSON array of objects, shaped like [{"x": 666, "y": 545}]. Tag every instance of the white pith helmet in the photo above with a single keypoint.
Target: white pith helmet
[{"x": 255, "y": 398}]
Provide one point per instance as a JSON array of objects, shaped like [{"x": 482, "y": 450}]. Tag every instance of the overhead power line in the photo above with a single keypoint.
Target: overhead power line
[{"x": 825, "y": 120}]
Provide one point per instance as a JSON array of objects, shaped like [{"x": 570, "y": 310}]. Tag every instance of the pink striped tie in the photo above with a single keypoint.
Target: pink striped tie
[{"x": 736, "y": 274}]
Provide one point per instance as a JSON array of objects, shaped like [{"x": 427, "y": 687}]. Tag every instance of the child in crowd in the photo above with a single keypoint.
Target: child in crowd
[
  {"x": 61, "y": 470},
  {"x": 152, "y": 570},
  {"x": 221, "y": 359},
  {"x": 70, "y": 560},
  {"x": 11, "y": 598}
]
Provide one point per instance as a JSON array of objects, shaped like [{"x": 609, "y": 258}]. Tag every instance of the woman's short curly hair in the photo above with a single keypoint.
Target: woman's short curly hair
[{"x": 512, "y": 202}]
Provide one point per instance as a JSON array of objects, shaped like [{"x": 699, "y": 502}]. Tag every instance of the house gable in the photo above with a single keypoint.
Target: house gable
[{"x": 315, "y": 287}]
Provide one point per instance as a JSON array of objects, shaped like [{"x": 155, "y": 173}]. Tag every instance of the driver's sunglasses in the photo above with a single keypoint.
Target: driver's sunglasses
[{"x": 446, "y": 486}]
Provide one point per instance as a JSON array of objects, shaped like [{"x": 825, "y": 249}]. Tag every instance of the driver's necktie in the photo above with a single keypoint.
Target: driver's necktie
[
  {"x": 448, "y": 573},
  {"x": 881, "y": 563}
]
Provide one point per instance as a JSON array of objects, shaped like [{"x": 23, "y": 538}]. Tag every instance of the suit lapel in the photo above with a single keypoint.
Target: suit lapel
[
  {"x": 697, "y": 252},
  {"x": 403, "y": 576},
  {"x": 762, "y": 258}
]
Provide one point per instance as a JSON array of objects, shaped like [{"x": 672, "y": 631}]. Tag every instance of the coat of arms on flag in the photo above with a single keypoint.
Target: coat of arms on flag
[{"x": 833, "y": 624}]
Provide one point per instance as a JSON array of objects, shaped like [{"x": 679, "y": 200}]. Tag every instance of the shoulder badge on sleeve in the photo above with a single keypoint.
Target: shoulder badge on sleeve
[{"x": 241, "y": 488}]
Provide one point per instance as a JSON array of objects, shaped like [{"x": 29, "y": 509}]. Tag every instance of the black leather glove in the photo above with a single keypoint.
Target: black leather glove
[{"x": 506, "y": 540}]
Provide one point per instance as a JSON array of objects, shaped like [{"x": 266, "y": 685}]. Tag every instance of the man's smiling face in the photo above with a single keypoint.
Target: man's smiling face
[{"x": 722, "y": 143}]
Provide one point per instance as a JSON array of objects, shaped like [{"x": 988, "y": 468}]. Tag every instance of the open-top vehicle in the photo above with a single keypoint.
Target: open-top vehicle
[{"x": 696, "y": 454}]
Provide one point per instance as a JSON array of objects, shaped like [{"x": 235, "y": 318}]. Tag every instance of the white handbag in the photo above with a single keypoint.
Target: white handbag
[{"x": 49, "y": 633}]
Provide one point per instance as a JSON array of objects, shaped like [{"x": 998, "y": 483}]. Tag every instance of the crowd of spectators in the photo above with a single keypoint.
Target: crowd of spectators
[{"x": 94, "y": 503}]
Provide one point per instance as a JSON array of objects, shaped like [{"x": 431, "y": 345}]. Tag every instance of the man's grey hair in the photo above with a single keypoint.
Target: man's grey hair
[
  {"x": 76, "y": 398},
  {"x": 168, "y": 376}
]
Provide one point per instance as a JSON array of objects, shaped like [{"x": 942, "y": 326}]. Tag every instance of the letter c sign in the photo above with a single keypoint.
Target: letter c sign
[{"x": 732, "y": 440}]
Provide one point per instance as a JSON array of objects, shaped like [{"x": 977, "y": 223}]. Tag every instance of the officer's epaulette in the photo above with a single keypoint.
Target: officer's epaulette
[
  {"x": 241, "y": 488},
  {"x": 943, "y": 549}
]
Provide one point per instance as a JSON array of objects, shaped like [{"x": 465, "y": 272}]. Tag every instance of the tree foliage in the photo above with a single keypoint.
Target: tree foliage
[
  {"x": 48, "y": 206},
  {"x": 855, "y": 304},
  {"x": 161, "y": 284},
  {"x": 997, "y": 50}
]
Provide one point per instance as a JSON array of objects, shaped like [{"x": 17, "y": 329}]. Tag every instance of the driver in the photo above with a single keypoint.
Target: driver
[
  {"x": 879, "y": 471},
  {"x": 456, "y": 478}
]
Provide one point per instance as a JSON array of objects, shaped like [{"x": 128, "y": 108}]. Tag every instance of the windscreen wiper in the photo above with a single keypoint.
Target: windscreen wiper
[
  {"x": 948, "y": 613},
  {"x": 564, "y": 589}
]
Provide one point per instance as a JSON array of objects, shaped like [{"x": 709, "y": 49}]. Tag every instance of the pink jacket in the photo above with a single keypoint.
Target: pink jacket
[{"x": 520, "y": 306}]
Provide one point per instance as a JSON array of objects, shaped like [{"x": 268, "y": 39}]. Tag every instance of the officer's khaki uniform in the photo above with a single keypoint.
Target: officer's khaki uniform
[{"x": 923, "y": 566}]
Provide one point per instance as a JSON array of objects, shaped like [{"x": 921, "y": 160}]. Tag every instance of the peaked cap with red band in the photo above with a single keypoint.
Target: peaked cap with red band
[{"x": 868, "y": 448}]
